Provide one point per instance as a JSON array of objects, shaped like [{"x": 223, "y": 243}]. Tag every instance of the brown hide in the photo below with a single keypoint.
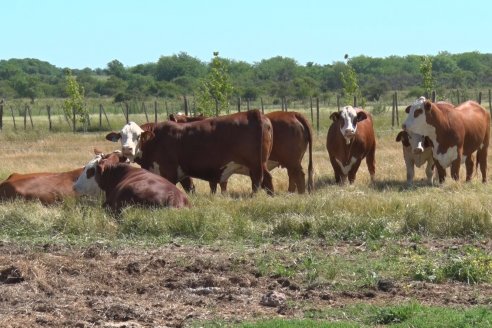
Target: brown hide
[
  {"x": 202, "y": 149},
  {"x": 126, "y": 185},
  {"x": 43, "y": 186},
  {"x": 362, "y": 145}
]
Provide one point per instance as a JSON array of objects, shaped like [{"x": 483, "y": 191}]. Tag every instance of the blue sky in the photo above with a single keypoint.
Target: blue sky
[{"x": 91, "y": 33}]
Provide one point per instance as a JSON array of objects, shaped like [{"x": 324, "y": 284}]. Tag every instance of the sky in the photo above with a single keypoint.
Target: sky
[{"x": 92, "y": 33}]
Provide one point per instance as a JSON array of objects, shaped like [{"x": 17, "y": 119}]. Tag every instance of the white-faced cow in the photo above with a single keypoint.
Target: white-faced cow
[
  {"x": 351, "y": 139},
  {"x": 417, "y": 151},
  {"x": 47, "y": 187},
  {"x": 129, "y": 136},
  {"x": 126, "y": 185},
  {"x": 456, "y": 133},
  {"x": 211, "y": 149},
  {"x": 292, "y": 136}
]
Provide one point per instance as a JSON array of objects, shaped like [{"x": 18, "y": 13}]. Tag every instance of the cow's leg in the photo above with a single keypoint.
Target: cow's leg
[
  {"x": 336, "y": 169},
  {"x": 469, "y": 167},
  {"x": 441, "y": 172},
  {"x": 256, "y": 175},
  {"x": 188, "y": 185},
  {"x": 429, "y": 171},
  {"x": 482, "y": 160},
  {"x": 410, "y": 171},
  {"x": 455, "y": 168},
  {"x": 267, "y": 183},
  {"x": 296, "y": 174},
  {"x": 213, "y": 186},
  {"x": 353, "y": 172},
  {"x": 223, "y": 187},
  {"x": 371, "y": 163}
]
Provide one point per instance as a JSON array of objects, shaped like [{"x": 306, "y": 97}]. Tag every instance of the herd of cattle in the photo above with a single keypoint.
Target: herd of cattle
[{"x": 437, "y": 134}]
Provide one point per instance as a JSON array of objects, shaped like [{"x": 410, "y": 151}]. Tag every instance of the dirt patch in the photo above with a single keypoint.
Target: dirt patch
[{"x": 174, "y": 285}]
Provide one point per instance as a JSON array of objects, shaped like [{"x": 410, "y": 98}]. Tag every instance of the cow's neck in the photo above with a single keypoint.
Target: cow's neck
[
  {"x": 348, "y": 151},
  {"x": 439, "y": 122},
  {"x": 111, "y": 175}
]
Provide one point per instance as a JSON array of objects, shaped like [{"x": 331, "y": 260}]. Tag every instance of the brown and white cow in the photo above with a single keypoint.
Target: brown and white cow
[
  {"x": 351, "y": 138},
  {"x": 126, "y": 185},
  {"x": 417, "y": 151},
  {"x": 456, "y": 133},
  {"x": 130, "y": 139},
  {"x": 211, "y": 149},
  {"x": 292, "y": 136},
  {"x": 47, "y": 187}
]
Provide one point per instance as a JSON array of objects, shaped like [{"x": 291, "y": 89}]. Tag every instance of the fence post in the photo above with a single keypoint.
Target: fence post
[
  {"x": 48, "y": 107},
  {"x": 238, "y": 104},
  {"x": 317, "y": 114},
  {"x": 247, "y": 103},
  {"x": 355, "y": 101},
  {"x": 458, "y": 94},
  {"x": 107, "y": 120},
  {"x": 285, "y": 103},
  {"x": 263, "y": 109},
  {"x": 480, "y": 97},
  {"x": 396, "y": 109},
  {"x": 127, "y": 112},
  {"x": 100, "y": 117},
  {"x": 490, "y": 102},
  {"x": 185, "y": 105},
  {"x": 393, "y": 111},
  {"x": 338, "y": 102},
  {"x": 145, "y": 111},
  {"x": 155, "y": 111},
  {"x": 167, "y": 109},
  {"x": 25, "y": 117},
  {"x": 1, "y": 113},
  {"x": 311, "y": 107},
  {"x": 13, "y": 117},
  {"x": 73, "y": 120},
  {"x": 433, "y": 96}
]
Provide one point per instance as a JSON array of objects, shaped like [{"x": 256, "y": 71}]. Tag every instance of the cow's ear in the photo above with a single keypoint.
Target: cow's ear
[
  {"x": 361, "y": 116},
  {"x": 335, "y": 116},
  {"x": 427, "y": 105},
  {"x": 399, "y": 136},
  {"x": 97, "y": 151},
  {"x": 172, "y": 118},
  {"x": 147, "y": 136},
  {"x": 113, "y": 136},
  {"x": 407, "y": 110},
  {"x": 90, "y": 172}
]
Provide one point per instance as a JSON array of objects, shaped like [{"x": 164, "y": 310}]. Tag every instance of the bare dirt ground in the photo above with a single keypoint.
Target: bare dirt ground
[{"x": 176, "y": 285}]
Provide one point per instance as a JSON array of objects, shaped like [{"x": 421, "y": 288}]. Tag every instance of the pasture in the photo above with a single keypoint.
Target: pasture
[{"x": 359, "y": 255}]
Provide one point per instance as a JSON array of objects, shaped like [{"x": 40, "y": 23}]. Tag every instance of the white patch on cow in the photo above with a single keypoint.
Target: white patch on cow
[
  {"x": 463, "y": 159},
  {"x": 349, "y": 116},
  {"x": 155, "y": 168},
  {"x": 272, "y": 164},
  {"x": 346, "y": 168},
  {"x": 130, "y": 140},
  {"x": 419, "y": 124},
  {"x": 232, "y": 168},
  {"x": 481, "y": 146},
  {"x": 448, "y": 157},
  {"x": 88, "y": 186}
]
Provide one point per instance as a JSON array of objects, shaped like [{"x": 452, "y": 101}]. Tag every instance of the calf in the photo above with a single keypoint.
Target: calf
[
  {"x": 125, "y": 185},
  {"x": 46, "y": 187},
  {"x": 455, "y": 133},
  {"x": 351, "y": 138},
  {"x": 417, "y": 151}
]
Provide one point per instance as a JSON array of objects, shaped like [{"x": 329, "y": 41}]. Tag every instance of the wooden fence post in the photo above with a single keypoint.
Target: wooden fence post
[
  {"x": 393, "y": 111},
  {"x": 185, "y": 105},
  {"x": 127, "y": 112},
  {"x": 1, "y": 113},
  {"x": 355, "y": 101},
  {"x": 105, "y": 115},
  {"x": 458, "y": 94},
  {"x": 100, "y": 117},
  {"x": 167, "y": 109},
  {"x": 490, "y": 102},
  {"x": 285, "y": 103},
  {"x": 338, "y": 102},
  {"x": 317, "y": 114},
  {"x": 311, "y": 107},
  {"x": 155, "y": 111},
  {"x": 13, "y": 117},
  {"x": 263, "y": 108},
  {"x": 48, "y": 108},
  {"x": 25, "y": 117},
  {"x": 73, "y": 120},
  {"x": 396, "y": 109},
  {"x": 238, "y": 104},
  {"x": 247, "y": 103},
  {"x": 433, "y": 95},
  {"x": 145, "y": 111},
  {"x": 480, "y": 97},
  {"x": 216, "y": 107}
]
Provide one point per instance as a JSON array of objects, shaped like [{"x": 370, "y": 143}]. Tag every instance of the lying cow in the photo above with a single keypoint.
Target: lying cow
[
  {"x": 212, "y": 149},
  {"x": 292, "y": 135},
  {"x": 351, "y": 138},
  {"x": 46, "y": 187},
  {"x": 125, "y": 185},
  {"x": 417, "y": 151},
  {"x": 456, "y": 133}
]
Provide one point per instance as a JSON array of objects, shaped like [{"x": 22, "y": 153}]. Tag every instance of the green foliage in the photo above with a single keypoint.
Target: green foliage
[
  {"x": 74, "y": 104},
  {"x": 474, "y": 267},
  {"x": 215, "y": 90},
  {"x": 350, "y": 85},
  {"x": 426, "y": 71},
  {"x": 395, "y": 314}
]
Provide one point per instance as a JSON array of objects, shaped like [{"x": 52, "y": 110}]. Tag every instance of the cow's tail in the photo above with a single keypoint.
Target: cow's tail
[
  {"x": 309, "y": 135},
  {"x": 255, "y": 116}
]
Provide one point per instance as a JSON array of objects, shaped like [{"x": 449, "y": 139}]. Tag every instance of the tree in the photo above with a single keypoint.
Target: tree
[
  {"x": 74, "y": 104},
  {"x": 426, "y": 71},
  {"x": 215, "y": 90},
  {"x": 350, "y": 83}
]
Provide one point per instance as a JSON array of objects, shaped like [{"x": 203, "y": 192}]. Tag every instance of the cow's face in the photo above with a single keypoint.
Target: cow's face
[
  {"x": 416, "y": 120},
  {"x": 348, "y": 118},
  {"x": 130, "y": 138},
  {"x": 86, "y": 183},
  {"x": 416, "y": 142}
]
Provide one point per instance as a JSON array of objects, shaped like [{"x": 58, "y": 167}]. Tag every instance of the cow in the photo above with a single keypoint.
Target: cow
[
  {"x": 455, "y": 133},
  {"x": 211, "y": 149},
  {"x": 351, "y": 138},
  {"x": 47, "y": 187},
  {"x": 292, "y": 135},
  {"x": 130, "y": 138},
  {"x": 182, "y": 118},
  {"x": 124, "y": 185},
  {"x": 417, "y": 151}
]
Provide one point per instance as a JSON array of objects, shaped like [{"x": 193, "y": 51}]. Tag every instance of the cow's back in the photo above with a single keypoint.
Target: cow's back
[{"x": 476, "y": 122}]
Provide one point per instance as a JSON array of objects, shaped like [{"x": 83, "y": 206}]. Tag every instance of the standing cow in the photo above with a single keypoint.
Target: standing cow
[
  {"x": 350, "y": 139},
  {"x": 456, "y": 133},
  {"x": 417, "y": 151}
]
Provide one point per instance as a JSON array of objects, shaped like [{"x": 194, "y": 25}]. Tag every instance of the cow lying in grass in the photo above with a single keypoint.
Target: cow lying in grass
[{"x": 126, "y": 185}]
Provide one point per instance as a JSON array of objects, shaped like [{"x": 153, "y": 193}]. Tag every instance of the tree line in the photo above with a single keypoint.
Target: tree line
[{"x": 276, "y": 77}]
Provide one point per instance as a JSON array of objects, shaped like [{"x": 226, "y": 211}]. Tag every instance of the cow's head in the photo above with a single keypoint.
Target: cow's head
[
  {"x": 416, "y": 121},
  {"x": 348, "y": 118},
  {"x": 86, "y": 184},
  {"x": 146, "y": 158},
  {"x": 417, "y": 142},
  {"x": 130, "y": 140}
]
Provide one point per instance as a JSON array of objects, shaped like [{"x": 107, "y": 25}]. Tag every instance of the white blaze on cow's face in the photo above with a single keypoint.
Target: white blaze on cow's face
[
  {"x": 416, "y": 142},
  {"x": 349, "y": 127},
  {"x": 416, "y": 122},
  {"x": 86, "y": 183},
  {"x": 130, "y": 140}
]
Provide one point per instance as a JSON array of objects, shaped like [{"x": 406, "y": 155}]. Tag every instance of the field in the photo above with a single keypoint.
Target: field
[{"x": 350, "y": 256}]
